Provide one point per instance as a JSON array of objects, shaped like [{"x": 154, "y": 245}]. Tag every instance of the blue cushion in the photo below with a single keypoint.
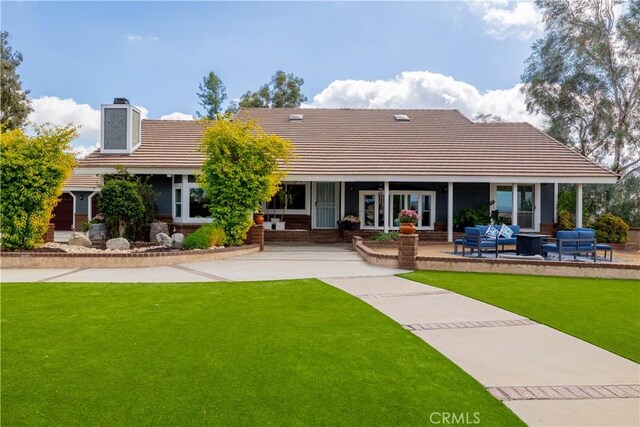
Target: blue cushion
[
  {"x": 509, "y": 241},
  {"x": 515, "y": 229},
  {"x": 483, "y": 229},
  {"x": 604, "y": 247},
  {"x": 564, "y": 234},
  {"x": 458, "y": 241},
  {"x": 586, "y": 234},
  {"x": 472, "y": 231},
  {"x": 585, "y": 229},
  {"x": 550, "y": 247}
]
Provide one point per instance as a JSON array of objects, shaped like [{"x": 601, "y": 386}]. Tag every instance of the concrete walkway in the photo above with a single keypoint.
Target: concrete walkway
[
  {"x": 276, "y": 262},
  {"x": 546, "y": 377}
]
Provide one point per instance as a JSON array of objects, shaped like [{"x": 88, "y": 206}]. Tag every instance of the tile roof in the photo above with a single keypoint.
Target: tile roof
[
  {"x": 359, "y": 142},
  {"x": 83, "y": 181}
]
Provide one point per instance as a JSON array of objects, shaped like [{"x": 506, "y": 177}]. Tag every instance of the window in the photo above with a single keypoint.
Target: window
[
  {"x": 521, "y": 209},
  {"x": 178, "y": 202},
  {"x": 198, "y": 203},
  {"x": 503, "y": 204},
  {"x": 293, "y": 196},
  {"x": 190, "y": 202},
  {"x": 372, "y": 208}
]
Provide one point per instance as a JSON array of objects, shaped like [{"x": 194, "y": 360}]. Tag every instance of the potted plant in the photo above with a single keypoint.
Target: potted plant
[
  {"x": 258, "y": 217},
  {"x": 350, "y": 223},
  {"x": 408, "y": 220}
]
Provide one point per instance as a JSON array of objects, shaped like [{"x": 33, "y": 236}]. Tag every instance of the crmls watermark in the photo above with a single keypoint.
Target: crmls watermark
[{"x": 456, "y": 418}]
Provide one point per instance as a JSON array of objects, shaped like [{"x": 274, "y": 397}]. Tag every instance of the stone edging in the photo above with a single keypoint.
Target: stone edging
[{"x": 133, "y": 259}]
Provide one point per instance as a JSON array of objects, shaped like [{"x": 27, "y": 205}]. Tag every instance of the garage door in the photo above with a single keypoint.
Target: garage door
[{"x": 63, "y": 212}]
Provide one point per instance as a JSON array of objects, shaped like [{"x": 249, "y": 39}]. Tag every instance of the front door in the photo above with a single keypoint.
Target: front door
[
  {"x": 326, "y": 206},
  {"x": 63, "y": 212},
  {"x": 526, "y": 206}
]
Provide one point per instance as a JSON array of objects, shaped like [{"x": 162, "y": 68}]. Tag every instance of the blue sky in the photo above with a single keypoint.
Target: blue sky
[{"x": 453, "y": 54}]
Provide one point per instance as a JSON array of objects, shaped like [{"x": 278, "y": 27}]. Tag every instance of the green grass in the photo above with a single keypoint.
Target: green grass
[
  {"x": 604, "y": 312},
  {"x": 284, "y": 352}
]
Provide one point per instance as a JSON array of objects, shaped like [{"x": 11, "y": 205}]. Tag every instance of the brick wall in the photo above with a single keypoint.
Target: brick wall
[
  {"x": 256, "y": 235},
  {"x": 49, "y": 234},
  {"x": 80, "y": 219}
]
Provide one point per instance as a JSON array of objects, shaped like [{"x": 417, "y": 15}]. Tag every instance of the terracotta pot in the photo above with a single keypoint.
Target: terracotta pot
[
  {"x": 258, "y": 219},
  {"x": 407, "y": 228}
]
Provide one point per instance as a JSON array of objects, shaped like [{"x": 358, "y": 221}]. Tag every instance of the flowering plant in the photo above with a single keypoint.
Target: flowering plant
[
  {"x": 351, "y": 218},
  {"x": 407, "y": 215}
]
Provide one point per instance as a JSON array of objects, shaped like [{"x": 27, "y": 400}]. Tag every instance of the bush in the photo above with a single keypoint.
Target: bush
[
  {"x": 120, "y": 204},
  {"x": 391, "y": 236},
  {"x": 205, "y": 237},
  {"x": 611, "y": 229},
  {"x": 468, "y": 217},
  {"x": 138, "y": 229},
  {"x": 34, "y": 170},
  {"x": 565, "y": 220},
  {"x": 243, "y": 167}
]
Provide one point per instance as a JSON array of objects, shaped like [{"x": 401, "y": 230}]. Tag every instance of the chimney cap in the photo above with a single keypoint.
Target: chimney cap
[{"x": 120, "y": 101}]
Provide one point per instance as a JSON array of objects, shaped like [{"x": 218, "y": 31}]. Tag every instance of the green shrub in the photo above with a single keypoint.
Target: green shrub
[
  {"x": 565, "y": 220},
  {"x": 468, "y": 217},
  {"x": 120, "y": 204},
  {"x": 205, "y": 237},
  {"x": 34, "y": 170},
  {"x": 611, "y": 229},
  {"x": 391, "y": 236},
  {"x": 243, "y": 167}
]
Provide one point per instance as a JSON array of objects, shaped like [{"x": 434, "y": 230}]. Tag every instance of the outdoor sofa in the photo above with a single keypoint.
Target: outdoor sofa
[
  {"x": 574, "y": 243},
  {"x": 475, "y": 238}
]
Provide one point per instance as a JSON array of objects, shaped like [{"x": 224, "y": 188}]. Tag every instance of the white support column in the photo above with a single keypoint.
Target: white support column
[
  {"x": 537, "y": 205},
  {"x": 450, "y": 212},
  {"x": 578, "y": 205},
  {"x": 89, "y": 203},
  {"x": 514, "y": 204},
  {"x": 386, "y": 206},
  {"x": 342, "y": 198},
  {"x": 555, "y": 202}
]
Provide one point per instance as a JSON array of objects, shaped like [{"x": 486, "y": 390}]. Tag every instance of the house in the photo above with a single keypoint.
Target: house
[{"x": 369, "y": 163}]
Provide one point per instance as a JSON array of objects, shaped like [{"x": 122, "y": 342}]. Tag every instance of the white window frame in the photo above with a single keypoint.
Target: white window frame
[
  {"x": 361, "y": 195},
  {"x": 307, "y": 202},
  {"x": 185, "y": 186},
  {"x": 389, "y": 200},
  {"x": 420, "y": 194},
  {"x": 514, "y": 202}
]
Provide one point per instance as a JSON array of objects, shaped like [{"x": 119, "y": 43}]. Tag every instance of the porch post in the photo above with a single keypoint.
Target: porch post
[
  {"x": 514, "y": 204},
  {"x": 386, "y": 206},
  {"x": 555, "y": 202},
  {"x": 450, "y": 212},
  {"x": 578, "y": 205},
  {"x": 342, "y": 198}
]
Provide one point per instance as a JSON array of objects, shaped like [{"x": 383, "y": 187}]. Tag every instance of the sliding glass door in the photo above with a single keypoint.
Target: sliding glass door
[{"x": 526, "y": 206}]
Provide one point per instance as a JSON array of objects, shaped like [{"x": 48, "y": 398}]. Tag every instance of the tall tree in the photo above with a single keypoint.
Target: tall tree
[
  {"x": 15, "y": 104},
  {"x": 584, "y": 74},
  {"x": 212, "y": 94},
  {"x": 283, "y": 91}
]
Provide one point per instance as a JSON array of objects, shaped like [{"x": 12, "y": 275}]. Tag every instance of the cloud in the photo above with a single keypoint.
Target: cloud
[
  {"x": 423, "y": 89},
  {"x": 139, "y": 38},
  {"x": 505, "y": 19},
  {"x": 62, "y": 112},
  {"x": 176, "y": 116}
]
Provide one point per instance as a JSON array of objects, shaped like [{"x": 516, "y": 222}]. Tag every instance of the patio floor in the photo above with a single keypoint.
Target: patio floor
[{"x": 445, "y": 250}]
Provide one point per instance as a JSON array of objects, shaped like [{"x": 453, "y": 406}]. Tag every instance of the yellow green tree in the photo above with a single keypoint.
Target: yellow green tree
[
  {"x": 244, "y": 167},
  {"x": 33, "y": 171}
]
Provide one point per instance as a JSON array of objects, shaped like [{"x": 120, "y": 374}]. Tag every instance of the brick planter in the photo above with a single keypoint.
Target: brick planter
[{"x": 407, "y": 251}]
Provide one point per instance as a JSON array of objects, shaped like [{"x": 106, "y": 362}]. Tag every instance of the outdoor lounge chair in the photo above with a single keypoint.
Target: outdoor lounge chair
[
  {"x": 502, "y": 241},
  {"x": 474, "y": 239},
  {"x": 600, "y": 246},
  {"x": 572, "y": 243}
]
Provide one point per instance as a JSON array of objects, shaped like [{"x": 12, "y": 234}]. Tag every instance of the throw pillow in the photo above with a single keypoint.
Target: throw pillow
[
  {"x": 506, "y": 231},
  {"x": 492, "y": 232}
]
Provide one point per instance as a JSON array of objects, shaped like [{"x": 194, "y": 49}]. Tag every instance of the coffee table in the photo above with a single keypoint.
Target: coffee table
[{"x": 529, "y": 243}]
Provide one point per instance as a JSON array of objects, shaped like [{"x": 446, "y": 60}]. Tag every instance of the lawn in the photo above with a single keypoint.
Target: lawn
[
  {"x": 605, "y": 312},
  {"x": 284, "y": 352}
]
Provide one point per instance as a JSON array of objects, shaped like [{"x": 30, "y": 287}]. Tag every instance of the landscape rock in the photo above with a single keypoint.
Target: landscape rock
[
  {"x": 177, "y": 239},
  {"x": 156, "y": 228},
  {"x": 118, "y": 243},
  {"x": 98, "y": 232},
  {"x": 164, "y": 239},
  {"x": 79, "y": 239}
]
